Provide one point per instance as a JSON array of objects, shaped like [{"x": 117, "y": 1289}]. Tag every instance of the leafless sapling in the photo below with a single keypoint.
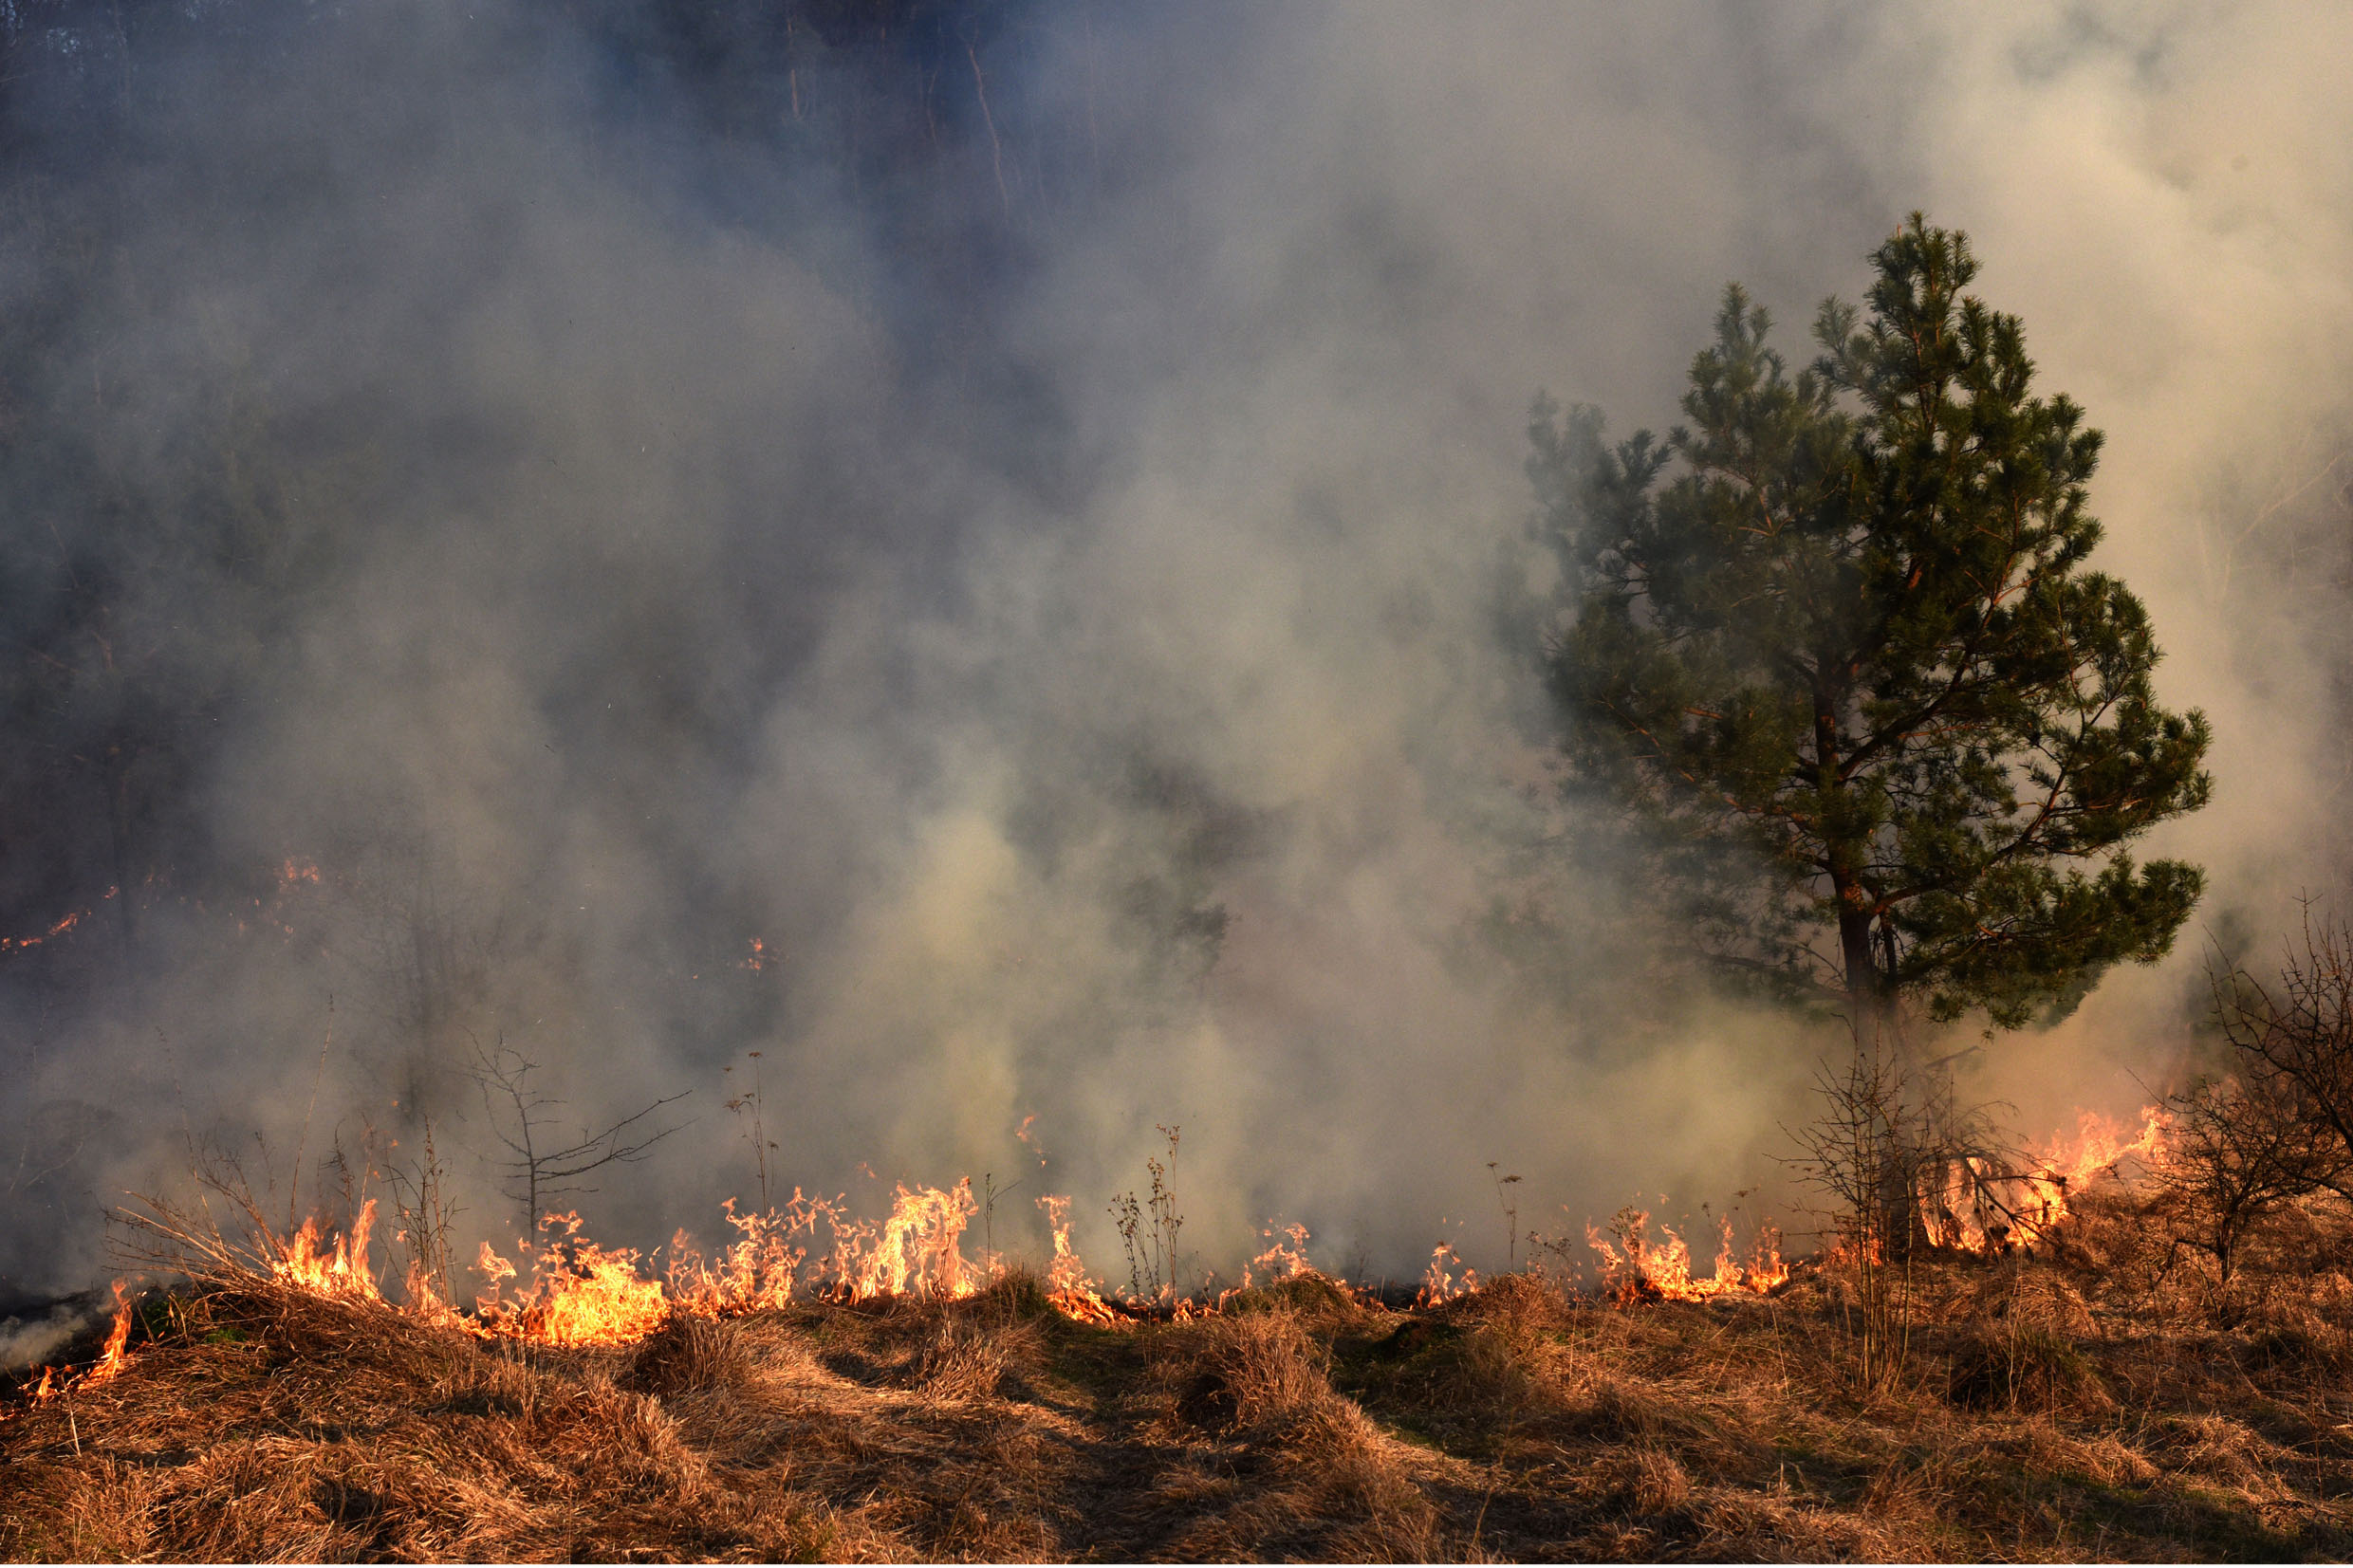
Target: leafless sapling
[
  {"x": 2292, "y": 1041},
  {"x": 2237, "y": 1152},
  {"x": 540, "y": 1166}
]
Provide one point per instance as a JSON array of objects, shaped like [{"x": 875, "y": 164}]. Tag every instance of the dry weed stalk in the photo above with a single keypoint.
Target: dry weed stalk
[{"x": 1148, "y": 1230}]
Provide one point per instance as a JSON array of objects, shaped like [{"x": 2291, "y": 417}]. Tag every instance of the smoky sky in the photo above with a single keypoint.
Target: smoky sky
[{"x": 1018, "y": 513}]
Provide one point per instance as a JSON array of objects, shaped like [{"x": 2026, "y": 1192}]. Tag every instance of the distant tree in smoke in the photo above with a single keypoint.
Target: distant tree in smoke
[{"x": 1835, "y": 648}]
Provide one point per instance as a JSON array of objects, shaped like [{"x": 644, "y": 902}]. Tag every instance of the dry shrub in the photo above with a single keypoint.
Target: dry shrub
[
  {"x": 1380, "y": 1516},
  {"x": 1522, "y": 1301},
  {"x": 2288, "y": 1344},
  {"x": 494, "y": 1382},
  {"x": 689, "y": 1354},
  {"x": 2112, "y": 1460},
  {"x": 2015, "y": 1346},
  {"x": 1617, "y": 1406},
  {"x": 1489, "y": 1370},
  {"x": 632, "y": 1435},
  {"x": 778, "y": 1347},
  {"x": 351, "y": 1335},
  {"x": 1493, "y": 1355},
  {"x": 1336, "y": 1489},
  {"x": 264, "y": 1428},
  {"x": 1352, "y": 1505},
  {"x": 105, "y": 1515}
]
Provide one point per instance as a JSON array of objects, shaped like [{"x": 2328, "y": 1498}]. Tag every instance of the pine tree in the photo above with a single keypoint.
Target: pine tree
[{"x": 1835, "y": 646}]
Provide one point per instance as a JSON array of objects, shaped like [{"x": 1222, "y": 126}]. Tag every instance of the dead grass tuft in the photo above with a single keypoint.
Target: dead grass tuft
[
  {"x": 1016, "y": 1295},
  {"x": 1257, "y": 1375},
  {"x": 961, "y": 1361},
  {"x": 2019, "y": 1367},
  {"x": 1306, "y": 1295},
  {"x": 1643, "y": 1479},
  {"x": 689, "y": 1354}
]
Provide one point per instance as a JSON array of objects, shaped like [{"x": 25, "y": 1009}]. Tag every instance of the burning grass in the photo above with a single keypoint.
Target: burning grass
[{"x": 2107, "y": 1398}]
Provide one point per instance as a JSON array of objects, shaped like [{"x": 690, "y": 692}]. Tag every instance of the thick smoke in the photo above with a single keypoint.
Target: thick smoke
[{"x": 1052, "y": 574}]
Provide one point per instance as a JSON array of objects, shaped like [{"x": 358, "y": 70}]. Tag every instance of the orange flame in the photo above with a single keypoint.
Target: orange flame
[
  {"x": 1285, "y": 1258},
  {"x": 758, "y": 1271},
  {"x": 582, "y": 1294},
  {"x": 1067, "y": 1282},
  {"x": 112, "y": 1359},
  {"x": 1029, "y": 1139},
  {"x": 337, "y": 1270},
  {"x": 1438, "y": 1282},
  {"x": 68, "y": 923},
  {"x": 1648, "y": 1271},
  {"x": 919, "y": 1250},
  {"x": 1981, "y": 1206}
]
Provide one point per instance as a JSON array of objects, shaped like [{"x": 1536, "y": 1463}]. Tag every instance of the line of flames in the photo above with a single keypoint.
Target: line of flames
[
  {"x": 810, "y": 1248},
  {"x": 580, "y": 1293},
  {"x": 583, "y": 1294}
]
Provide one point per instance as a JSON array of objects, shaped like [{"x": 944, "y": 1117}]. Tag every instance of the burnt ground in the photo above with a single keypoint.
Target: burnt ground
[{"x": 2104, "y": 1403}]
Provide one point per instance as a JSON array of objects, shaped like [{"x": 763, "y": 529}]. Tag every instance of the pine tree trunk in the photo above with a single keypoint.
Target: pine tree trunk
[{"x": 1865, "y": 994}]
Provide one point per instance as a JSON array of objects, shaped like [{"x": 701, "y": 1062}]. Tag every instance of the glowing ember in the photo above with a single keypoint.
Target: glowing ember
[{"x": 68, "y": 923}]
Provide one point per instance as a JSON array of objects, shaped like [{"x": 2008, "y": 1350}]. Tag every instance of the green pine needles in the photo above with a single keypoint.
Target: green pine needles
[{"x": 1835, "y": 646}]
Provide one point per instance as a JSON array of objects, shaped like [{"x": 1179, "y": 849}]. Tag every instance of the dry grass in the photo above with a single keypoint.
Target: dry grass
[{"x": 2102, "y": 1403}]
